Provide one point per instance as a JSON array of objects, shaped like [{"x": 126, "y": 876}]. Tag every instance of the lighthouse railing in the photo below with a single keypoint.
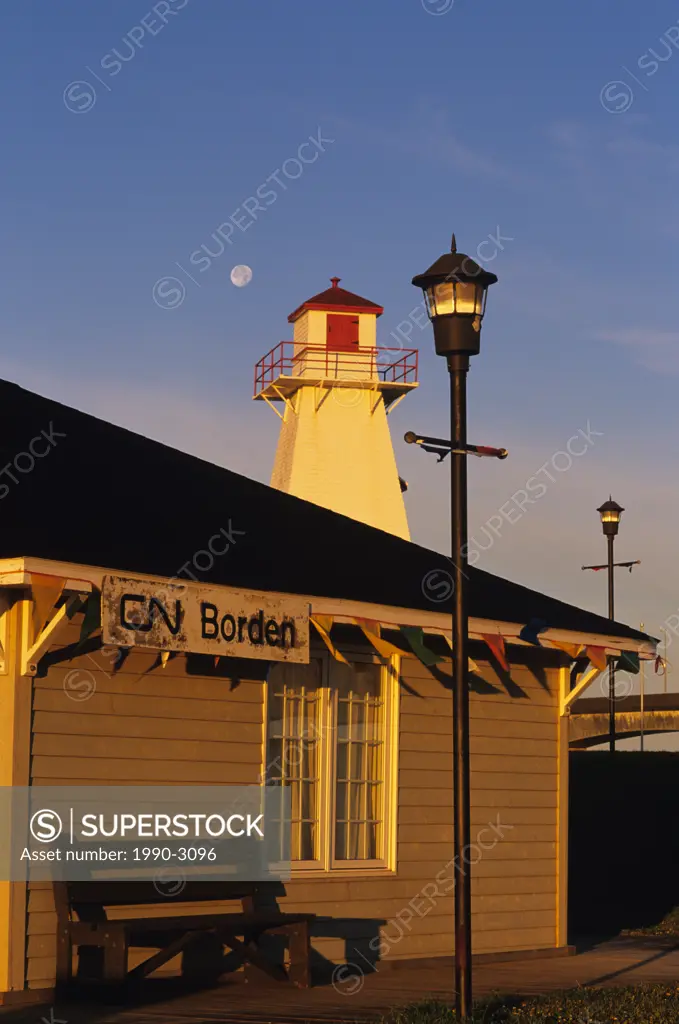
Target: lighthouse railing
[{"x": 318, "y": 362}]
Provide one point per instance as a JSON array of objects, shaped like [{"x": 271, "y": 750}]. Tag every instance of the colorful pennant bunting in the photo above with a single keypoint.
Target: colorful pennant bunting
[
  {"x": 496, "y": 642},
  {"x": 372, "y": 625},
  {"x": 530, "y": 631},
  {"x": 471, "y": 664},
  {"x": 92, "y": 618},
  {"x": 383, "y": 647},
  {"x": 629, "y": 662},
  {"x": 415, "y": 637},
  {"x": 572, "y": 650},
  {"x": 323, "y": 625},
  {"x": 597, "y": 656}
]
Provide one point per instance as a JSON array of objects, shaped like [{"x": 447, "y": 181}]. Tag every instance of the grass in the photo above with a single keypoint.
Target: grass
[
  {"x": 646, "y": 1004},
  {"x": 669, "y": 926}
]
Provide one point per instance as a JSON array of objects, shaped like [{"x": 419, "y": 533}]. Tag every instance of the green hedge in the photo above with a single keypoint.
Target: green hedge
[{"x": 652, "y": 1004}]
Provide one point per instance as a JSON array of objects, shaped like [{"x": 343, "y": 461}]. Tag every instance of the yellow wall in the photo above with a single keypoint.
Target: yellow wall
[
  {"x": 515, "y": 782},
  {"x": 339, "y": 454},
  {"x": 311, "y": 328},
  {"x": 168, "y": 727},
  {"x": 15, "y": 728}
]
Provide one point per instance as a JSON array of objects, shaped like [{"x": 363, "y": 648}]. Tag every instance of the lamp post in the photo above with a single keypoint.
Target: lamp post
[
  {"x": 610, "y": 513},
  {"x": 455, "y": 289}
]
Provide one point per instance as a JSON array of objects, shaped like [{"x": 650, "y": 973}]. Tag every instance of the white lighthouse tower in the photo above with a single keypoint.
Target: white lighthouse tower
[{"x": 336, "y": 386}]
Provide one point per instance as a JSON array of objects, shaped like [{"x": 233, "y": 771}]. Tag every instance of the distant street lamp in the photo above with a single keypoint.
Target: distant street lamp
[
  {"x": 610, "y": 513},
  {"x": 455, "y": 290}
]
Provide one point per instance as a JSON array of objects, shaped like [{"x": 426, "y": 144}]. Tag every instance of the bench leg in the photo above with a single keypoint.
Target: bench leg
[
  {"x": 64, "y": 959},
  {"x": 300, "y": 955},
  {"x": 252, "y": 957},
  {"x": 115, "y": 958}
]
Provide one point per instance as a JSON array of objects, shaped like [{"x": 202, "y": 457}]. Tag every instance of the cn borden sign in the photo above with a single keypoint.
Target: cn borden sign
[{"x": 203, "y": 620}]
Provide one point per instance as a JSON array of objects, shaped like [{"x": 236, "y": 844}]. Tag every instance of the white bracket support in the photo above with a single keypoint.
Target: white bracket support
[
  {"x": 586, "y": 679},
  {"x": 30, "y": 656},
  {"x": 284, "y": 398},
  {"x": 324, "y": 390},
  {"x": 378, "y": 395}
]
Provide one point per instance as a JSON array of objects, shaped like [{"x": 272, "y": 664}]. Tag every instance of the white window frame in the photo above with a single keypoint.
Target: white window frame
[{"x": 326, "y": 862}]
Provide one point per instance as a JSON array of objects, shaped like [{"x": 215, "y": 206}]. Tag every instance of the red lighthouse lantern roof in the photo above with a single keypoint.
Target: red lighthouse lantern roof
[{"x": 337, "y": 300}]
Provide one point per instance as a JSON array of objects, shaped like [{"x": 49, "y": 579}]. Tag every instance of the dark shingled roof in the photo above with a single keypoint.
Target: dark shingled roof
[
  {"x": 101, "y": 495},
  {"x": 337, "y": 298}
]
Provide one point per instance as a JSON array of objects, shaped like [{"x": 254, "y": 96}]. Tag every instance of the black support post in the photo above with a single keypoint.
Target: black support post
[{"x": 458, "y": 366}]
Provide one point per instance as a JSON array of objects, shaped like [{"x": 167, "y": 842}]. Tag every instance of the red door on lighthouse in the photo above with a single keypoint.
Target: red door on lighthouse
[{"x": 342, "y": 333}]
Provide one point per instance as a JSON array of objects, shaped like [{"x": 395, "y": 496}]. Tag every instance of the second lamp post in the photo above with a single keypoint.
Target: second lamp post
[{"x": 610, "y": 513}]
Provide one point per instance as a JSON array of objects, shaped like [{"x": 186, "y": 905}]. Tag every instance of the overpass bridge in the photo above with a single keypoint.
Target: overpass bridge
[{"x": 589, "y": 718}]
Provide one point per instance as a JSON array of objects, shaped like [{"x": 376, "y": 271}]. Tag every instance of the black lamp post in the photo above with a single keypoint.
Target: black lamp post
[
  {"x": 455, "y": 289},
  {"x": 610, "y": 513}
]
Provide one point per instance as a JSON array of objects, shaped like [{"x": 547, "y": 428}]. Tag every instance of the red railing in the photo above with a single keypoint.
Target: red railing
[{"x": 391, "y": 366}]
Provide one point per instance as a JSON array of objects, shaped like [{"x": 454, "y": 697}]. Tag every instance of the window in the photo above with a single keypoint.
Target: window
[
  {"x": 328, "y": 739},
  {"x": 294, "y": 712}
]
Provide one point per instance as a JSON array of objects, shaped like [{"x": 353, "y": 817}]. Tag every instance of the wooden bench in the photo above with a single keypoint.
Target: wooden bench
[{"x": 103, "y": 944}]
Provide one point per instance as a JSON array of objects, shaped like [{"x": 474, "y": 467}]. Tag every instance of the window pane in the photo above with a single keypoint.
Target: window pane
[
  {"x": 443, "y": 297},
  {"x": 293, "y": 748},
  {"x": 359, "y": 796},
  {"x": 465, "y": 295}
]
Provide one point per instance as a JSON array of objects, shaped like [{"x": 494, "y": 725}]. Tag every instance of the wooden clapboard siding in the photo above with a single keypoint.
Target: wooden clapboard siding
[
  {"x": 419, "y": 816},
  {"x": 514, "y": 760},
  {"x": 166, "y": 727},
  {"x": 232, "y": 713},
  {"x": 161, "y": 730},
  {"x": 136, "y": 728}
]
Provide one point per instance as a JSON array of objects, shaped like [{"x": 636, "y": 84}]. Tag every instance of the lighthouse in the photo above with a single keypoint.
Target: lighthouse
[{"x": 333, "y": 387}]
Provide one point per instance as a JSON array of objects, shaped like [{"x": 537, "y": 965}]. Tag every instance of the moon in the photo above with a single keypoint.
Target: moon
[{"x": 241, "y": 275}]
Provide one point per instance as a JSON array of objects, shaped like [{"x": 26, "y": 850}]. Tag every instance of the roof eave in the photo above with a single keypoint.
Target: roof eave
[
  {"x": 327, "y": 308},
  {"x": 15, "y": 572}
]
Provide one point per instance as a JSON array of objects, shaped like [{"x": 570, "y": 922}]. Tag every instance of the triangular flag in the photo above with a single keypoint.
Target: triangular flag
[
  {"x": 471, "y": 664},
  {"x": 530, "y": 631},
  {"x": 572, "y": 650},
  {"x": 323, "y": 625},
  {"x": 629, "y": 662},
  {"x": 384, "y": 647},
  {"x": 372, "y": 625},
  {"x": 415, "y": 637},
  {"x": 597, "y": 656},
  {"x": 165, "y": 657},
  {"x": 121, "y": 658},
  {"x": 217, "y": 657},
  {"x": 496, "y": 642},
  {"x": 92, "y": 618},
  {"x": 46, "y": 592}
]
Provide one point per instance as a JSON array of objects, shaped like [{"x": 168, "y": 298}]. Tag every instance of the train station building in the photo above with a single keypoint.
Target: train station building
[{"x": 312, "y": 651}]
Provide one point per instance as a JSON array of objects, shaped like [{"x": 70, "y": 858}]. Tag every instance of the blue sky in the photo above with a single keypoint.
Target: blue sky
[{"x": 131, "y": 135}]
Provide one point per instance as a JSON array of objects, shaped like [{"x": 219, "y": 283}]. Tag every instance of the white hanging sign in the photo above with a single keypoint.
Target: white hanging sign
[{"x": 197, "y": 619}]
